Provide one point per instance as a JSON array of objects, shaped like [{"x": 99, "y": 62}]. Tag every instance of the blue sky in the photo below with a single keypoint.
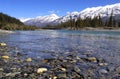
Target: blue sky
[{"x": 33, "y": 8}]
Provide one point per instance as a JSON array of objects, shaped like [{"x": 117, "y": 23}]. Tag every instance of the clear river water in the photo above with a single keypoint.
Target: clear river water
[{"x": 104, "y": 44}]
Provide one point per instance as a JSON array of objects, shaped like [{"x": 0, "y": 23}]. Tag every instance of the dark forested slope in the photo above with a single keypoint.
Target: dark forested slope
[{"x": 10, "y": 23}]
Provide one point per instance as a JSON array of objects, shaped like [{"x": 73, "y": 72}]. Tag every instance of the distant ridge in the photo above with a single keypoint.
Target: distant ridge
[
  {"x": 41, "y": 21},
  {"x": 103, "y": 11},
  {"x": 10, "y": 23}
]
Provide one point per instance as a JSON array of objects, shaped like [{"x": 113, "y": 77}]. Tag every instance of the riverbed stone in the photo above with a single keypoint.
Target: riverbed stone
[
  {"x": 29, "y": 60},
  {"x": 1, "y": 69},
  {"x": 63, "y": 69},
  {"x": 55, "y": 77},
  {"x": 5, "y": 57},
  {"x": 41, "y": 70},
  {"x": 103, "y": 71},
  {"x": 1, "y": 74},
  {"x": 59, "y": 67},
  {"x": 92, "y": 59},
  {"x": 117, "y": 70},
  {"x": 77, "y": 69},
  {"x": 3, "y": 44},
  {"x": 61, "y": 74},
  {"x": 103, "y": 64},
  {"x": 12, "y": 74}
]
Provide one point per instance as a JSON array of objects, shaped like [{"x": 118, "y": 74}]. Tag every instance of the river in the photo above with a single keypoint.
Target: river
[{"x": 40, "y": 44}]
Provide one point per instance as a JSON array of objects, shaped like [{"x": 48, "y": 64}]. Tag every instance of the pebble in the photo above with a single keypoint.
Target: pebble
[
  {"x": 92, "y": 59},
  {"x": 61, "y": 75},
  {"x": 103, "y": 64},
  {"x": 12, "y": 74},
  {"x": 77, "y": 69},
  {"x": 54, "y": 77},
  {"x": 103, "y": 71},
  {"x": 1, "y": 75},
  {"x": 63, "y": 69},
  {"x": 117, "y": 70},
  {"x": 5, "y": 57},
  {"x": 41, "y": 70},
  {"x": 70, "y": 66},
  {"x": 3, "y": 44},
  {"x": 1, "y": 69},
  {"x": 25, "y": 74},
  {"x": 29, "y": 60}
]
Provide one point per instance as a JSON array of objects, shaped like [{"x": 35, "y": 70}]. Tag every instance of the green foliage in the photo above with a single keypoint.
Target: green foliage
[
  {"x": 10, "y": 23},
  {"x": 110, "y": 22},
  {"x": 4, "y": 18}
]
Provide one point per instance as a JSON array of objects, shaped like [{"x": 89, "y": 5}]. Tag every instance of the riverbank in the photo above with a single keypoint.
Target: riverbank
[
  {"x": 5, "y": 31},
  {"x": 86, "y": 28},
  {"x": 98, "y": 28},
  {"x": 70, "y": 65}
]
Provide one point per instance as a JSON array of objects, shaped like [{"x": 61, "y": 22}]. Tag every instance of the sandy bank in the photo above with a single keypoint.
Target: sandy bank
[{"x": 5, "y": 31}]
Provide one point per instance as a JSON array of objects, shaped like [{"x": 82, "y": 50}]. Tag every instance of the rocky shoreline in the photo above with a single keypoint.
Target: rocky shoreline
[{"x": 15, "y": 65}]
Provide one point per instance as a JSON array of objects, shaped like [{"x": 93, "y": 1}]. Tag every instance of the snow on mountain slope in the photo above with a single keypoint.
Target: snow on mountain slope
[
  {"x": 73, "y": 15},
  {"x": 103, "y": 11},
  {"x": 41, "y": 20},
  {"x": 24, "y": 19}
]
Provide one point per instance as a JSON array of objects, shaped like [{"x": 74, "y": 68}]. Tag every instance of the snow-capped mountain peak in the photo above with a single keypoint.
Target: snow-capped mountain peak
[
  {"x": 42, "y": 20},
  {"x": 24, "y": 19},
  {"x": 103, "y": 11}
]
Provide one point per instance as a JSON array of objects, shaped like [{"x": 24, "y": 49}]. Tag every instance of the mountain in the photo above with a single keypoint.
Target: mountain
[
  {"x": 6, "y": 19},
  {"x": 103, "y": 11},
  {"x": 10, "y": 23},
  {"x": 41, "y": 20},
  {"x": 24, "y": 19}
]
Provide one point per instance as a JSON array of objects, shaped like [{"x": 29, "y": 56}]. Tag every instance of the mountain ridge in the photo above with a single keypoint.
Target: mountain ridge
[
  {"x": 103, "y": 11},
  {"x": 41, "y": 20}
]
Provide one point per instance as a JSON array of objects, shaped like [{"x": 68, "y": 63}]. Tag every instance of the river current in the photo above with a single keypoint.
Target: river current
[{"x": 104, "y": 44}]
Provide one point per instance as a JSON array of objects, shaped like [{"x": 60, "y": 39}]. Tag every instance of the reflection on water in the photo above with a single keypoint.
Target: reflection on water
[{"x": 40, "y": 43}]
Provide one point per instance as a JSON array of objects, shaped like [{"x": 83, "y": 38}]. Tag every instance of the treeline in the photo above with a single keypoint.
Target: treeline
[
  {"x": 10, "y": 23},
  {"x": 95, "y": 22}
]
